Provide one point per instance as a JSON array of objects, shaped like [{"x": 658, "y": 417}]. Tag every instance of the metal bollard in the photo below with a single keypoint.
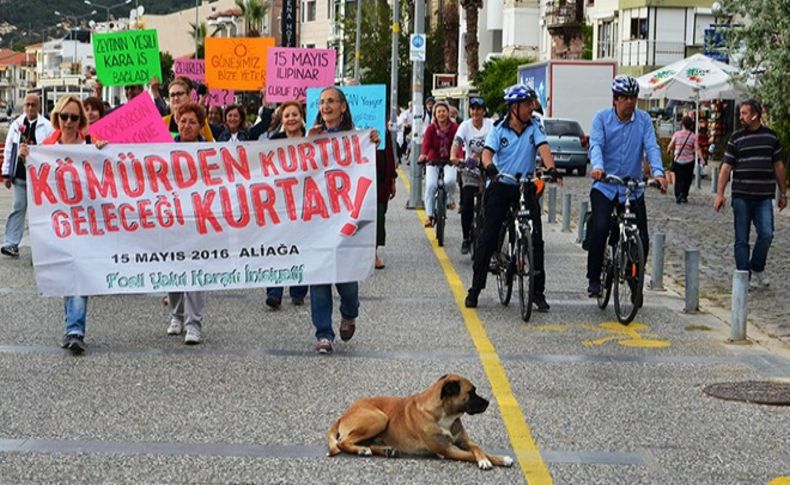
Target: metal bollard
[
  {"x": 692, "y": 281},
  {"x": 714, "y": 179},
  {"x": 566, "y": 212},
  {"x": 582, "y": 214},
  {"x": 552, "y": 204},
  {"x": 657, "y": 273},
  {"x": 697, "y": 175},
  {"x": 740, "y": 291}
]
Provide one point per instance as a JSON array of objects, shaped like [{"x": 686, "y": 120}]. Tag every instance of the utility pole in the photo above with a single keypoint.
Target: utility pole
[
  {"x": 415, "y": 196},
  {"x": 197, "y": 25},
  {"x": 394, "y": 76}
]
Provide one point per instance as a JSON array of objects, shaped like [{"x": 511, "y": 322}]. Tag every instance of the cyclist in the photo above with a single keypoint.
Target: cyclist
[
  {"x": 470, "y": 137},
  {"x": 436, "y": 153},
  {"x": 620, "y": 136},
  {"x": 510, "y": 149}
]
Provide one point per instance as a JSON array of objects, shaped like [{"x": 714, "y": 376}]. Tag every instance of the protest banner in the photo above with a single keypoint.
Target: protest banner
[
  {"x": 138, "y": 121},
  {"x": 126, "y": 57},
  {"x": 366, "y": 103},
  {"x": 237, "y": 63},
  {"x": 202, "y": 216},
  {"x": 195, "y": 70},
  {"x": 292, "y": 71}
]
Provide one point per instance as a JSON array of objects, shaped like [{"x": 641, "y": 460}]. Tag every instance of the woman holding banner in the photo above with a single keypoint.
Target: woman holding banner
[
  {"x": 235, "y": 125},
  {"x": 334, "y": 116},
  {"x": 293, "y": 116},
  {"x": 186, "y": 308},
  {"x": 180, "y": 92},
  {"x": 70, "y": 122}
]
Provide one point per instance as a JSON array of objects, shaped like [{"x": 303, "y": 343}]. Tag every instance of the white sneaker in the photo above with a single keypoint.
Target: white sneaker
[
  {"x": 176, "y": 327},
  {"x": 760, "y": 280},
  {"x": 192, "y": 336}
]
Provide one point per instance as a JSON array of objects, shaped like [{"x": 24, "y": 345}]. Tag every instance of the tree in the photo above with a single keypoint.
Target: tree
[
  {"x": 200, "y": 38},
  {"x": 763, "y": 44},
  {"x": 450, "y": 22},
  {"x": 498, "y": 74},
  {"x": 253, "y": 12},
  {"x": 471, "y": 9}
]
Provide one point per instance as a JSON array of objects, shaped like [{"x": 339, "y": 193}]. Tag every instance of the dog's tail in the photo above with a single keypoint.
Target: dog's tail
[{"x": 331, "y": 439}]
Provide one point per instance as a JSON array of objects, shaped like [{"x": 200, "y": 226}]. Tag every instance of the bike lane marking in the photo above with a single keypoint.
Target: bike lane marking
[
  {"x": 525, "y": 448},
  {"x": 625, "y": 335}
]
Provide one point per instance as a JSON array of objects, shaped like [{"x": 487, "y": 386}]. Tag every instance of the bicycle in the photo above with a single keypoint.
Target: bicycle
[
  {"x": 514, "y": 254},
  {"x": 440, "y": 207},
  {"x": 624, "y": 257}
]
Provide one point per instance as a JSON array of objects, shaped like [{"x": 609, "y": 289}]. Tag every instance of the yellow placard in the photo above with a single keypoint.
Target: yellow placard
[{"x": 237, "y": 63}]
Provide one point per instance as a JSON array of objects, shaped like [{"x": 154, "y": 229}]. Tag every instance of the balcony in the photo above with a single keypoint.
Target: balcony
[
  {"x": 650, "y": 52},
  {"x": 564, "y": 16}
]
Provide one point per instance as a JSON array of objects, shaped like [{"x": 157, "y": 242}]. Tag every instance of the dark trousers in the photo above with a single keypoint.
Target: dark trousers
[
  {"x": 468, "y": 210},
  {"x": 684, "y": 174},
  {"x": 498, "y": 198},
  {"x": 601, "y": 224}
]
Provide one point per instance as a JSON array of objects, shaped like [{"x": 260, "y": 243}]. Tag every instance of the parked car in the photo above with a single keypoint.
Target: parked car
[{"x": 569, "y": 145}]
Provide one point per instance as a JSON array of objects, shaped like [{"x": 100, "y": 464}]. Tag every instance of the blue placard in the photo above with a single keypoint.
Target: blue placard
[{"x": 366, "y": 103}]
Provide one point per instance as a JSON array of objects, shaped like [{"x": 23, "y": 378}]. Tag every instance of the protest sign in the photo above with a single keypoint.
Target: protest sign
[
  {"x": 127, "y": 57},
  {"x": 202, "y": 216},
  {"x": 138, "y": 121},
  {"x": 237, "y": 63},
  {"x": 366, "y": 103},
  {"x": 194, "y": 69},
  {"x": 292, "y": 71}
]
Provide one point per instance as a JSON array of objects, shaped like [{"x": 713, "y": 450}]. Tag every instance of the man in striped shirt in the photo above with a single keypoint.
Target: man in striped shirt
[{"x": 755, "y": 158}]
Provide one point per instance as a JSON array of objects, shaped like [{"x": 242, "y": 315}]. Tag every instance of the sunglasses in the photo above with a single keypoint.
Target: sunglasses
[
  {"x": 67, "y": 116},
  {"x": 177, "y": 94}
]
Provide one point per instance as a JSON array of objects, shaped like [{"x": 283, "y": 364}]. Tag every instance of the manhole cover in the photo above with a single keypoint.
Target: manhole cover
[{"x": 759, "y": 392}]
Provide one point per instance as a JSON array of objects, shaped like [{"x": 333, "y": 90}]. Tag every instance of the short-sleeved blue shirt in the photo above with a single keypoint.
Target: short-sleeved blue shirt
[{"x": 514, "y": 153}]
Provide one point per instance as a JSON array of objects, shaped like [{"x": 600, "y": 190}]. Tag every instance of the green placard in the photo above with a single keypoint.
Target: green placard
[{"x": 126, "y": 58}]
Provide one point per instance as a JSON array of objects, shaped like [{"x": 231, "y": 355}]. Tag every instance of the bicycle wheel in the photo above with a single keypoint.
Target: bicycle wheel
[
  {"x": 440, "y": 214},
  {"x": 607, "y": 273},
  {"x": 526, "y": 275},
  {"x": 504, "y": 256},
  {"x": 628, "y": 278},
  {"x": 477, "y": 224}
]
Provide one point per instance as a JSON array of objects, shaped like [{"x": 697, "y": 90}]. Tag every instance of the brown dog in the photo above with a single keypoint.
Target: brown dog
[{"x": 423, "y": 424}]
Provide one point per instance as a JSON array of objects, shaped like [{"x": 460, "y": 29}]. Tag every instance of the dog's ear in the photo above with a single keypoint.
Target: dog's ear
[
  {"x": 439, "y": 379},
  {"x": 450, "y": 389}
]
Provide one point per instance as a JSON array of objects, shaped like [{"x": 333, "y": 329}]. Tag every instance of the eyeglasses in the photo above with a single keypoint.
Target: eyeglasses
[
  {"x": 177, "y": 94},
  {"x": 67, "y": 116},
  {"x": 328, "y": 101},
  {"x": 31, "y": 105}
]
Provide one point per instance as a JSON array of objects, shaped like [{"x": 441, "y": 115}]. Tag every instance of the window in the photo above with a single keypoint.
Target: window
[
  {"x": 308, "y": 10},
  {"x": 638, "y": 28},
  {"x": 563, "y": 128}
]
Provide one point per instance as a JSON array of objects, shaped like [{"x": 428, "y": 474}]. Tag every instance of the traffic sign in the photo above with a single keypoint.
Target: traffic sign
[{"x": 417, "y": 47}]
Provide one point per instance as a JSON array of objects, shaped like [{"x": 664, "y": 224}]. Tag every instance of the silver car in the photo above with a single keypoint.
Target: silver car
[{"x": 569, "y": 145}]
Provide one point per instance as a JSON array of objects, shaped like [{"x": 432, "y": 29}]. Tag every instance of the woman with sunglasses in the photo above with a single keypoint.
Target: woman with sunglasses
[{"x": 69, "y": 122}]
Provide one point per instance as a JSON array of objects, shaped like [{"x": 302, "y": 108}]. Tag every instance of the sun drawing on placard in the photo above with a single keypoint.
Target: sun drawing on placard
[{"x": 240, "y": 49}]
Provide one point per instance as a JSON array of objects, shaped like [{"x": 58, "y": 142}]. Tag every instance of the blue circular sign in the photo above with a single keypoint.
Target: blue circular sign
[{"x": 417, "y": 41}]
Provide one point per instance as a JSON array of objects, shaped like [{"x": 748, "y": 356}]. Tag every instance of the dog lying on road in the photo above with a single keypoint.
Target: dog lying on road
[{"x": 423, "y": 424}]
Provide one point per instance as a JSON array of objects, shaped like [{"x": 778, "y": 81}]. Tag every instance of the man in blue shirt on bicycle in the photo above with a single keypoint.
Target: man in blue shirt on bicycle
[
  {"x": 510, "y": 149},
  {"x": 620, "y": 136}
]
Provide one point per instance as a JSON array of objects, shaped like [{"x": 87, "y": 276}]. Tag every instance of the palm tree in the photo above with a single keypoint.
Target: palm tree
[
  {"x": 471, "y": 8},
  {"x": 450, "y": 22},
  {"x": 200, "y": 41},
  {"x": 253, "y": 12}
]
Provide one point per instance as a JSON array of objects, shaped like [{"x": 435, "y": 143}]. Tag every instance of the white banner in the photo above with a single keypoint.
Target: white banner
[{"x": 202, "y": 216}]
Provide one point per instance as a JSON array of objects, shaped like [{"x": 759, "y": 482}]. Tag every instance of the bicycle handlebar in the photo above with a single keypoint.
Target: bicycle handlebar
[{"x": 518, "y": 178}]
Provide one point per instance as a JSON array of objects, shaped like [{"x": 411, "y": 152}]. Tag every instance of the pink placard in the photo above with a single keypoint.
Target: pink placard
[
  {"x": 138, "y": 121},
  {"x": 290, "y": 71},
  {"x": 195, "y": 70}
]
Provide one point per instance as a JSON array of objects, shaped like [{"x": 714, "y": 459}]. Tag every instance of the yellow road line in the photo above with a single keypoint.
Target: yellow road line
[{"x": 526, "y": 450}]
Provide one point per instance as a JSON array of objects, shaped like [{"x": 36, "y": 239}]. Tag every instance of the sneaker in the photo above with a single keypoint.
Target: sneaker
[
  {"x": 594, "y": 289},
  {"x": 347, "y": 328},
  {"x": 324, "y": 346},
  {"x": 428, "y": 222},
  {"x": 297, "y": 301},
  {"x": 192, "y": 336},
  {"x": 75, "y": 343},
  {"x": 466, "y": 246},
  {"x": 12, "y": 251},
  {"x": 273, "y": 302},
  {"x": 541, "y": 303},
  {"x": 759, "y": 279},
  {"x": 176, "y": 326},
  {"x": 471, "y": 298}
]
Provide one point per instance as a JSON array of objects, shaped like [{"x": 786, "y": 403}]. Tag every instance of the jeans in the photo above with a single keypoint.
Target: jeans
[
  {"x": 746, "y": 211},
  {"x": 296, "y": 292},
  {"x": 684, "y": 174},
  {"x": 468, "y": 210},
  {"x": 76, "y": 309},
  {"x": 321, "y": 306},
  {"x": 15, "y": 225},
  {"x": 432, "y": 182}
]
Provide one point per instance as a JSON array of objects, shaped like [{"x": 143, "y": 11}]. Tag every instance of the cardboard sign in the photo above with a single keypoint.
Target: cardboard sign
[
  {"x": 195, "y": 70},
  {"x": 366, "y": 103},
  {"x": 292, "y": 71},
  {"x": 127, "y": 57},
  {"x": 138, "y": 121},
  {"x": 237, "y": 63}
]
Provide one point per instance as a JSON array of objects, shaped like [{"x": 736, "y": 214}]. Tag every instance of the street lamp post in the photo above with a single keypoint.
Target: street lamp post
[
  {"x": 73, "y": 39},
  {"x": 106, "y": 7}
]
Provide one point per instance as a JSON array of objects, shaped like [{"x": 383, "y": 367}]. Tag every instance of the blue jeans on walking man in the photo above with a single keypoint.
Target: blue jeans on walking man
[
  {"x": 321, "y": 306},
  {"x": 15, "y": 225},
  {"x": 76, "y": 309},
  {"x": 761, "y": 213}
]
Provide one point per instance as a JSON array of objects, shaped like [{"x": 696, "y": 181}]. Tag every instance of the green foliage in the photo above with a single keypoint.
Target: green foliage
[
  {"x": 496, "y": 75},
  {"x": 587, "y": 33},
  {"x": 253, "y": 11},
  {"x": 202, "y": 33}
]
